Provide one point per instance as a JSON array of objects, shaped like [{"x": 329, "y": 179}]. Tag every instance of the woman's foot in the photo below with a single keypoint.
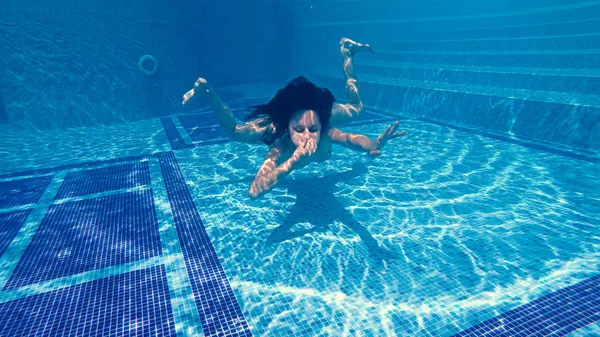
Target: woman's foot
[
  {"x": 350, "y": 47},
  {"x": 201, "y": 86}
]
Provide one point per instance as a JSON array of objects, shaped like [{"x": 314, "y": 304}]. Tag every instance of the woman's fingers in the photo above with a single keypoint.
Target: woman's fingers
[
  {"x": 310, "y": 146},
  {"x": 375, "y": 153},
  {"x": 385, "y": 132},
  {"x": 313, "y": 147},
  {"x": 393, "y": 129},
  {"x": 390, "y": 132},
  {"x": 398, "y": 134}
]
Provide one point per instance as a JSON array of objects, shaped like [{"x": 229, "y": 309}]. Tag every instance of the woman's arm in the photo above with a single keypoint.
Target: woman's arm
[
  {"x": 247, "y": 133},
  {"x": 270, "y": 174},
  {"x": 361, "y": 143}
]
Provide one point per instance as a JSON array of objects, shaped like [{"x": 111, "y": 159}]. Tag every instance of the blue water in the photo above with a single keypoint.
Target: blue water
[
  {"x": 445, "y": 229},
  {"x": 123, "y": 213}
]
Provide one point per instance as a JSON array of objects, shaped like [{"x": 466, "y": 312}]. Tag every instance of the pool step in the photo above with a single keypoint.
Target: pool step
[
  {"x": 581, "y": 81},
  {"x": 548, "y": 42},
  {"x": 568, "y": 120},
  {"x": 571, "y": 59},
  {"x": 524, "y": 94},
  {"x": 389, "y": 16},
  {"x": 585, "y": 26}
]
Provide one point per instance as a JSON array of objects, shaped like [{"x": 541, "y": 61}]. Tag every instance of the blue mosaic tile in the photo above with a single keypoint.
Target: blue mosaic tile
[
  {"x": 205, "y": 127},
  {"x": 212, "y": 141},
  {"x": 207, "y": 134},
  {"x": 379, "y": 113},
  {"x": 177, "y": 142},
  {"x": 3, "y": 114},
  {"x": 47, "y": 170},
  {"x": 90, "y": 234},
  {"x": 217, "y": 305},
  {"x": 131, "y": 304},
  {"x": 206, "y": 119},
  {"x": 370, "y": 122},
  {"x": 531, "y": 145},
  {"x": 104, "y": 179},
  {"x": 22, "y": 192},
  {"x": 556, "y": 314},
  {"x": 10, "y": 224}
]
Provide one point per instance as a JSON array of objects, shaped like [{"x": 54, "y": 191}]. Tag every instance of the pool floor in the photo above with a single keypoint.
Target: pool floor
[{"x": 149, "y": 231}]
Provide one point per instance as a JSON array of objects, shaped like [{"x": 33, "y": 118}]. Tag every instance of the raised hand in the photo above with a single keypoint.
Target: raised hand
[
  {"x": 306, "y": 150},
  {"x": 387, "y": 134}
]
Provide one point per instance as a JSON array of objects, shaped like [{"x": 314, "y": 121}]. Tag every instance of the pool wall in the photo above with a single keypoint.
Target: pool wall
[
  {"x": 523, "y": 70},
  {"x": 75, "y": 63}
]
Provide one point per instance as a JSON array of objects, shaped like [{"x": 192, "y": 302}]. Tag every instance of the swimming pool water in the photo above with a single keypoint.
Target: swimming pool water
[
  {"x": 448, "y": 229},
  {"x": 445, "y": 229}
]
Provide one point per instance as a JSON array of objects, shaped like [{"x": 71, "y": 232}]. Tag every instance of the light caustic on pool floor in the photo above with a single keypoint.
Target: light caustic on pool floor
[{"x": 445, "y": 229}]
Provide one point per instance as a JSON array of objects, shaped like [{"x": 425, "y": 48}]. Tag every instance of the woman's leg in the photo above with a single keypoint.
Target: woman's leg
[
  {"x": 345, "y": 113},
  {"x": 250, "y": 132}
]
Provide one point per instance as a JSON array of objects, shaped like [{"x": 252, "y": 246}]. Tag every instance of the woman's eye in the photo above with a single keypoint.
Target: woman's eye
[{"x": 315, "y": 129}]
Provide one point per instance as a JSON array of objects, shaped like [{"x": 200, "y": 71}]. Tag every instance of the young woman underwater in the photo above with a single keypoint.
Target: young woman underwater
[{"x": 298, "y": 124}]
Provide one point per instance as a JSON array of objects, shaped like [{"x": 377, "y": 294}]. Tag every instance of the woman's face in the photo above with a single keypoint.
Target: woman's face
[{"x": 305, "y": 125}]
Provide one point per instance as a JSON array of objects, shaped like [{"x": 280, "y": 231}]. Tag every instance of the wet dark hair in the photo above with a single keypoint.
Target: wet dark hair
[{"x": 299, "y": 94}]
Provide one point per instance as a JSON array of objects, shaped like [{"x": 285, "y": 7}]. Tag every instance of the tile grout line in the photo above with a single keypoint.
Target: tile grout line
[
  {"x": 187, "y": 320},
  {"x": 72, "y": 280},
  {"x": 48, "y": 203},
  {"x": 182, "y": 131},
  {"x": 77, "y": 168},
  {"x": 13, "y": 253}
]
